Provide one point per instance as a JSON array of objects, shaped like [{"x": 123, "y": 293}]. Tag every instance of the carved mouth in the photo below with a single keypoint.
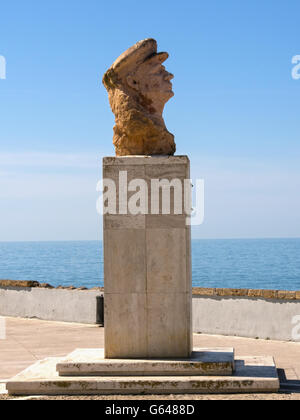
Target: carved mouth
[
  {"x": 170, "y": 86},
  {"x": 170, "y": 89}
]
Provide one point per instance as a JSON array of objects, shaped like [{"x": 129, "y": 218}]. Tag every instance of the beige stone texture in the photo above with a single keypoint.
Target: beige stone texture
[
  {"x": 147, "y": 256},
  {"x": 125, "y": 261},
  {"x": 251, "y": 293},
  {"x": 165, "y": 247},
  {"x": 204, "y": 291},
  {"x": 270, "y": 294},
  {"x": 253, "y": 374},
  {"x": 126, "y": 325},
  {"x": 166, "y": 222},
  {"x": 255, "y": 293},
  {"x": 138, "y": 87},
  {"x": 17, "y": 283},
  {"x": 144, "y": 160},
  {"x": 287, "y": 295},
  {"x": 29, "y": 340},
  {"x": 117, "y": 222},
  {"x": 168, "y": 325},
  {"x": 91, "y": 362}
]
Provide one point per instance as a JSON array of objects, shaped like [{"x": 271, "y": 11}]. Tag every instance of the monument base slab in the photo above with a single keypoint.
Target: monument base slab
[
  {"x": 208, "y": 362},
  {"x": 252, "y": 375}
]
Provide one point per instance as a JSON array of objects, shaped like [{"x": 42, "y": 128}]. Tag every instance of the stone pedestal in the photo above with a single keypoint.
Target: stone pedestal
[
  {"x": 147, "y": 262},
  {"x": 148, "y": 322},
  {"x": 88, "y": 374}
]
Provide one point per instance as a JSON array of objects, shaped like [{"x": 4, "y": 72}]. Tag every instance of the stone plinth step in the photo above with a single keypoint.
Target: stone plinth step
[
  {"x": 208, "y": 362},
  {"x": 252, "y": 375}
]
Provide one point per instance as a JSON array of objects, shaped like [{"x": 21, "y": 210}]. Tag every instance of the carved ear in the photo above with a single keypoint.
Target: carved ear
[{"x": 132, "y": 82}]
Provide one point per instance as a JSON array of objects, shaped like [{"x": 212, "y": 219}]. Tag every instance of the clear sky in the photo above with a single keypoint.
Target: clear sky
[{"x": 235, "y": 112}]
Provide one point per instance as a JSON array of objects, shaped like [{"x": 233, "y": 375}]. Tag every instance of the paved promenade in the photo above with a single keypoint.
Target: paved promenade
[{"x": 28, "y": 341}]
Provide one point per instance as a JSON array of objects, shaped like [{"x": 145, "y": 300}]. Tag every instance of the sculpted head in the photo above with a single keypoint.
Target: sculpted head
[
  {"x": 138, "y": 82},
  {"x": 153, "y": 82}
]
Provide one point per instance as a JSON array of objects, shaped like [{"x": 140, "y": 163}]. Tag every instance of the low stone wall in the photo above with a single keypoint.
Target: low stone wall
[
  {"x": 32, "y": 300},
  {"x": 266, "y": 314}
]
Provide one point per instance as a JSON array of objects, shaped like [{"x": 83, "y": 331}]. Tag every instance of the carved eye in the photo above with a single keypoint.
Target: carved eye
[{"x": 135, "y": 82}]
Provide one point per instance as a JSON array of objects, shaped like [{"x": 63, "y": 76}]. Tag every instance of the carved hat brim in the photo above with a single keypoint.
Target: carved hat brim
[
  {"x": 159, "y": 57},
  {"x": 137, "y": 54}
]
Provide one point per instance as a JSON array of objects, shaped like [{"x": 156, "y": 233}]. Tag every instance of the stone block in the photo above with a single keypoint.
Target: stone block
[
  {"x": 168, "y": 325},
  {"x": 255, "y": 293},
  {"x": 270, "y": 294},
  {"x": 166, "y": 261},
  {"x": 91, "y": 362},
  {"x": 125, "y": 261},
  {"x": 286, "y": 295},
  {"x": 252, "y": 375},
  {"x": 125, "y": 332},
  {"x": 147, "y": 258}
]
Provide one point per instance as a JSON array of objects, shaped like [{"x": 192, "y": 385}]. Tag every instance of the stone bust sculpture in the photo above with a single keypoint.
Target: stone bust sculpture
[{"x": 138, "y": 87}]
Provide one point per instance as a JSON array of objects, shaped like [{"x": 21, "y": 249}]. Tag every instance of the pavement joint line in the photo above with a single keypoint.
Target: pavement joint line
[{"x": 22, "y": 345}]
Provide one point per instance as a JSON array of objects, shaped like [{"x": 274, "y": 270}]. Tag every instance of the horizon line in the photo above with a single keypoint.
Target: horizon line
[{"x": 197, "y": 239}]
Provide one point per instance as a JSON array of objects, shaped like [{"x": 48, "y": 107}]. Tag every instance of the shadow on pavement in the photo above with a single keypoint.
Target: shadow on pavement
[{"x": 288, "y": 386}]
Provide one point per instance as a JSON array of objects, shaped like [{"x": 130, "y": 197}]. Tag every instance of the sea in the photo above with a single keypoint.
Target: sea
[{"x": 223, "y": 263}]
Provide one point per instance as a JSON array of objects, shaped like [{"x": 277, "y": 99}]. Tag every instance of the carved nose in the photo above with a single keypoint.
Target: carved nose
[{"x": 169, "y": 76}]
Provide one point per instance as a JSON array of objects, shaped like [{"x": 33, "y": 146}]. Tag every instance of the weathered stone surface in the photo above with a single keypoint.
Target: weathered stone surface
[
  {"x": 145, "y": 160},
  {"x": 251, "y": 293},
  {"x": 287, "y": 295},
  {"x": 138, "y": 88},
  {"x": 202, "y": 291},
  {"x": 17, "y": 283},
  {"x": 168, "y": 326},
  {"x": 165, "y": 247},
  {"x": 252, "y": 375},
  {"x": 125, "y": 325},
  {"x": 125, "y": 261},
  {"x": 270, "y": 294},
  {"x": 147, "y": 259},
  {"x": 124, "y": 222},
  {"x": 165, "y": 221},
  {"x": 208, "y": 362},
  {"x": 255, "y": 293}
]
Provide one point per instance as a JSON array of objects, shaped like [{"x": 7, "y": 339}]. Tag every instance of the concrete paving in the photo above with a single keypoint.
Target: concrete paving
[{"x": 28, "y": 341}]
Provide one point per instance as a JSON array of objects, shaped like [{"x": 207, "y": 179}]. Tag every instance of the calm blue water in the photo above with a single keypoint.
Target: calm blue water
[{"x": 261, "y": 263}]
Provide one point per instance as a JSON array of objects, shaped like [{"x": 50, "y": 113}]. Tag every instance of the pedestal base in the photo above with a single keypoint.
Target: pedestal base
[
  {"x": 252, "y": 375},
  {"x": 147, "y": 259},
  {"x": 208, "y": 362}
]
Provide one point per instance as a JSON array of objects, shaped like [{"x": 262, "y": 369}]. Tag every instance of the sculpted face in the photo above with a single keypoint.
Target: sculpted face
[
  {"x": 139, "y": 87},
  {"x": 153, "y": 82}
]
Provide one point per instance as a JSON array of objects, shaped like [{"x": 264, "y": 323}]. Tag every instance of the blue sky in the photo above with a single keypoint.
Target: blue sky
[{"x": 235, "y": 111}]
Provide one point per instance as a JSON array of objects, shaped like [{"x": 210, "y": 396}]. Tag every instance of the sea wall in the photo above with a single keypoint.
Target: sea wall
[
  {"x": 266, "y": 314},
  {"x": 32, "y": 300}
]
